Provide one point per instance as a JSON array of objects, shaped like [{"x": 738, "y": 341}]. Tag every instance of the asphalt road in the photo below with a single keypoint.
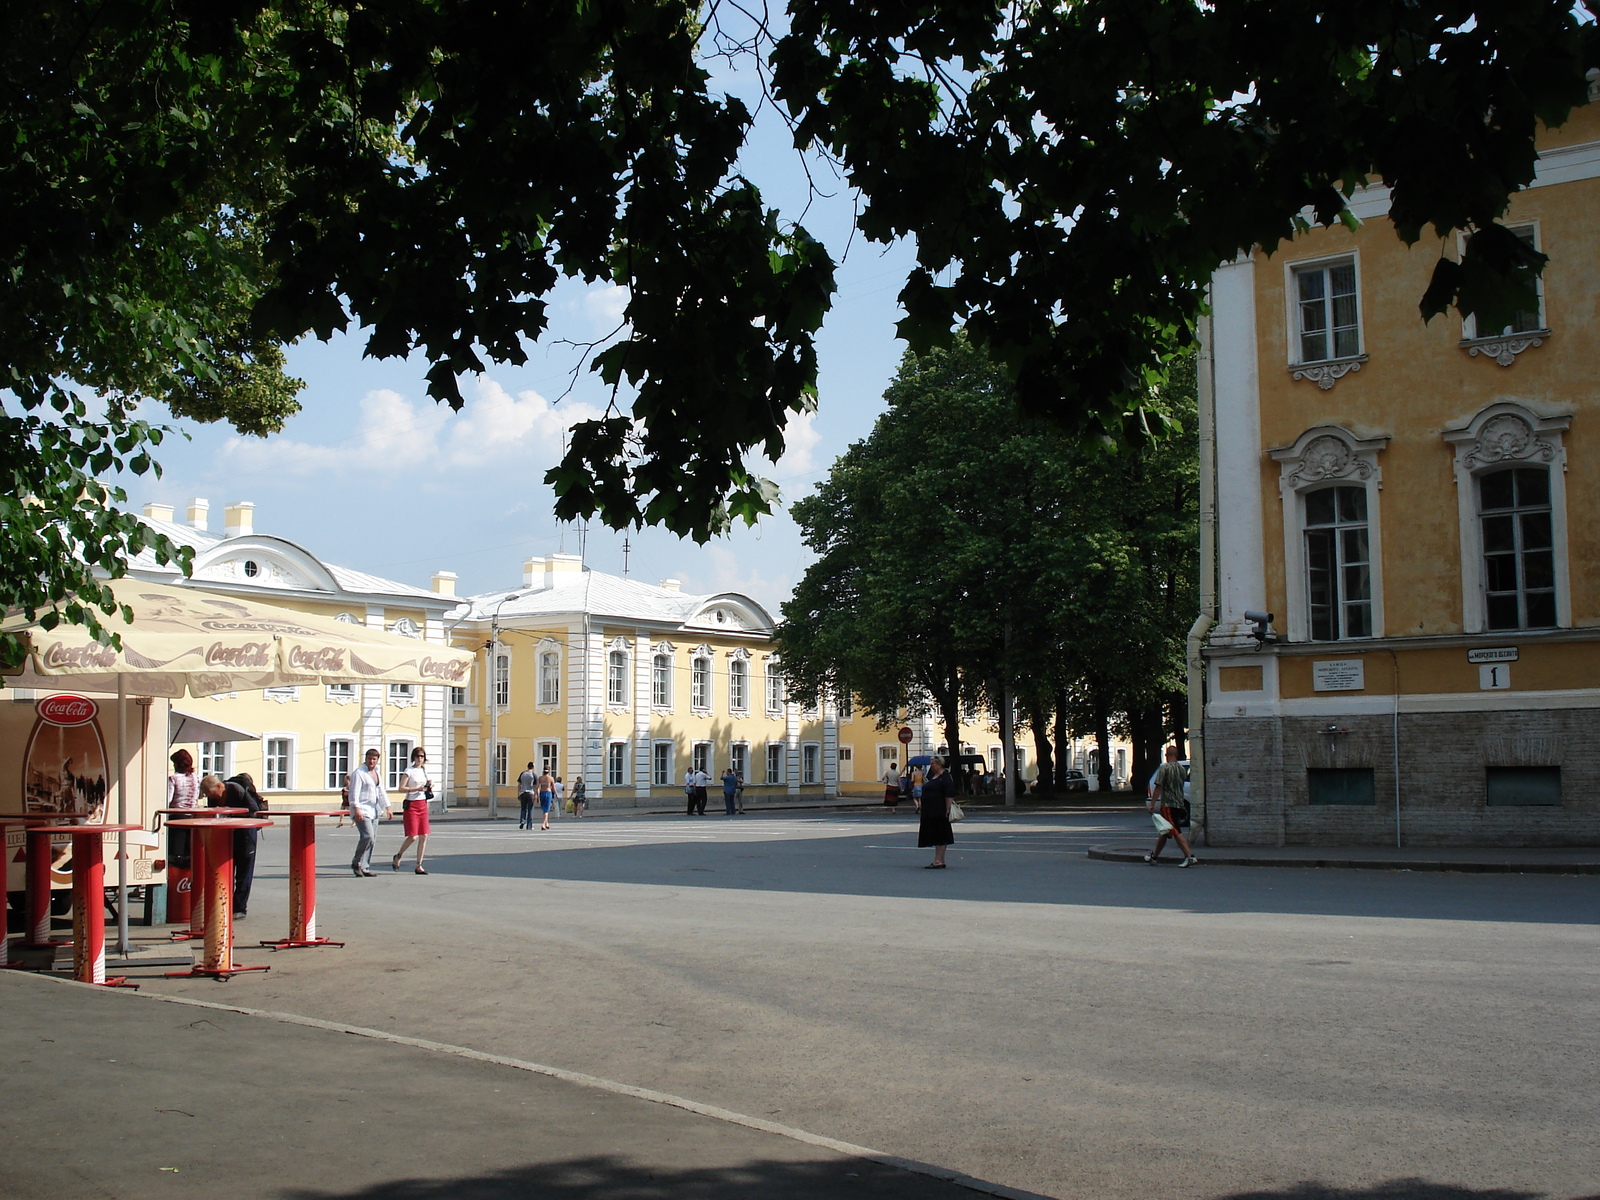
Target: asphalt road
[{"x": 1076, "y": 1028}]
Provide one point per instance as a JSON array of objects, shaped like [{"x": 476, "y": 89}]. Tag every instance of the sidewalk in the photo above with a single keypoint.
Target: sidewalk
[
  {"x": 115, "y": 1094},
  {"x": 1508, "y": 860}
]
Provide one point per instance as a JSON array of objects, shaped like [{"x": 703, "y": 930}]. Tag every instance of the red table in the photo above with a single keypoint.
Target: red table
[
  {"x": 303, "y": 883},
  {"x": 40, "y": 830},
  {"x": 23, "y": 822},
  {"x": 192, "y": 908},
  {"x": 217, "y": 836},
  {"x": 89, "y": 904}
]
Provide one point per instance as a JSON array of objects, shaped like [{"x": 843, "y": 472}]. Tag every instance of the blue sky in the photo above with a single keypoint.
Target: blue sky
[{"x": 374, "y": 475}]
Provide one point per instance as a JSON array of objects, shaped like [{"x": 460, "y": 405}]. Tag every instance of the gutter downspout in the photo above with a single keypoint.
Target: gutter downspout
[{"x": 1205, "y": 396}]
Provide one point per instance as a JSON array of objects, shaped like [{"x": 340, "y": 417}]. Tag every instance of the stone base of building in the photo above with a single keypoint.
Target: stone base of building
[{"x": 1452, "y": 784}]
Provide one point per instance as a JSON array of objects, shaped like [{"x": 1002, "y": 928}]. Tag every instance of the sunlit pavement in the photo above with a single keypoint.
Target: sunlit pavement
[{"x": 1028, "y": 1016}]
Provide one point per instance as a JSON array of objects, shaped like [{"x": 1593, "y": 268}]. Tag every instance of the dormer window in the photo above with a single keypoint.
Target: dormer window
[{"x": 250, "y": 568}]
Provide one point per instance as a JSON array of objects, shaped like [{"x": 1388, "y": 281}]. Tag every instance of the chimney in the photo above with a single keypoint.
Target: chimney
[
  {"x": 199, "y": 513},
  {"x": 444, "y": 583},
  {"x": 532, "y": 571},
  {"x": 239, "y": 519},
  {"x": 562, "y": 564},
  {"x": 158, "y": 512},
  {"x": 672, "y": 585}
]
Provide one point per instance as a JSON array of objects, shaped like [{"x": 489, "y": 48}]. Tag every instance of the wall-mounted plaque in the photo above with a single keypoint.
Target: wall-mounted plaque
[{"x": 1339, "y": 675}]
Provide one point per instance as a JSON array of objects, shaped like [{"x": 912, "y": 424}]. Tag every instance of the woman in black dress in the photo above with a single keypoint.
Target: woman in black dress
[{"x": 934, "y": 830}]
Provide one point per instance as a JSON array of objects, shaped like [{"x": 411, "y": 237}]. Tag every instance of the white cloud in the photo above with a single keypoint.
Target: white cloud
[
  {"x": 604, "y": 304},
  {"x": 493, "y": 430}
]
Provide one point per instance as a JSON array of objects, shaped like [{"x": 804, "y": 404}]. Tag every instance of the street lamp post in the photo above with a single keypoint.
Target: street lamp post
[{"x": 494, "y": 709}]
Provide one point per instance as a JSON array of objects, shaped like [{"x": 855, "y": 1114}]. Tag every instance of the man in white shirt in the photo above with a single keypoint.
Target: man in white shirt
[
  {"x": 696, "y": 782},
  {"x": 367, "y": 801}
]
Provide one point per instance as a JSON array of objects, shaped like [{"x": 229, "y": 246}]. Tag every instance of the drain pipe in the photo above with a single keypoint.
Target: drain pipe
[
  {"x": 1205, "y": 396},
  {"x": 1394, "y": 740}
]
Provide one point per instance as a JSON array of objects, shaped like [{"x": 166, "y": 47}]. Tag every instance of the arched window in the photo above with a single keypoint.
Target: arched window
[
  {"x": 1338, "y": 564},
  {"x": 738, "y": 691},
  {"x": 502, "y": 680},
  {"x": 661, "y": 681},
  {"x": 617, "y": 677},
  {"x": 1519, "y": 581},
  {"x": 549, "y": 677},
  {"x": 700, "y": 683}
]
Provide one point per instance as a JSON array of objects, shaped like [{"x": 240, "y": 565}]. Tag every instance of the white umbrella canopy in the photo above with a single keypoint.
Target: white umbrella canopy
[{"x": 187, "y": 642}]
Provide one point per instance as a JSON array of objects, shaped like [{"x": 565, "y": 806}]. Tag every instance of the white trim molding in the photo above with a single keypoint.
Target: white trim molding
[
  {"x": 1322, "y": 455},
  {"x": 1507, "y": 434}
]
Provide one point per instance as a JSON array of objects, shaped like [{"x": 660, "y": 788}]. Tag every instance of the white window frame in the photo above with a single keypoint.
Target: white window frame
[
  {"x": 500, "y": 763},
  {"x": 1508, "y": 434},
  {"x": 658, "y": 776},
  {"x": 810, "y": 763},
  {"x": 329, "y": 771},
  {"x": 281, "y": 694},
  {"x": 219, "y": 762},
  {"x": 617, "y": 677},
  {"x": 458, "y": 697},
  {"x": 1469, "y": 325},
  {"x": 500, "y": 686},
  {"x": 548, "y": 663},
  {"x": 701, "y": 757},
  {"x": 739, "y": 759},
  {"x": 777, "y": 756},
  {"x": 617, "y": 762},
  {"x": 267, "y": 739},
  {"x": 738, "y": 684},
  {"x": 1322, "y": 456},
  {"x": 776, "y": 695},
  {"x": 547, "y": 755},
  {"x": 393, "y": 774},
  {"x": 341, "y": 693},
  {"x": 701, "y": 680},
  {"x": 1291, "y": 293},
  {"x": 402, "y": 695},
  {"x": 661, "y": 678}
]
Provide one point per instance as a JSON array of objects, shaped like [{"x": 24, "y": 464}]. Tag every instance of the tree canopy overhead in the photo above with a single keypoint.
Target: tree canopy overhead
[{"x": 187, "y": 185}]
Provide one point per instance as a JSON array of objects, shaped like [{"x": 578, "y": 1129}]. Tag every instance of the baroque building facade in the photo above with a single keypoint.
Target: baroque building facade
[{"x": 1418, "y": 507}]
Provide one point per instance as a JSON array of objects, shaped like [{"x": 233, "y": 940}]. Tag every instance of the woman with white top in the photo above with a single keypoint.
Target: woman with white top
[
  {"x": 418, "y": 789},
  {"x": 183, "y": 791}
]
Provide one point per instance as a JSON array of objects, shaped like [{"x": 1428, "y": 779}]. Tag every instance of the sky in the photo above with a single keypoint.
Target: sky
[{"x": 373, "y": 474}]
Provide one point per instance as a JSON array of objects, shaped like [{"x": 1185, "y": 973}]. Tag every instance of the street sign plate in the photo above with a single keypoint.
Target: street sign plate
[{"x": 1493, "y": 654}]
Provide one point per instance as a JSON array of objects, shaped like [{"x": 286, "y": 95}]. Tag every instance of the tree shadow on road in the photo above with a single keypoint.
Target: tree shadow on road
[
  {"x": 607, "y": 1177},
  {"x": 1392, "y": 1189}
]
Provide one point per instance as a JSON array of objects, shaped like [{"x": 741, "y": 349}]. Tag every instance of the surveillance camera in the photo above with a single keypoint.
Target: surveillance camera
[{"x": 1260, "y": 618}]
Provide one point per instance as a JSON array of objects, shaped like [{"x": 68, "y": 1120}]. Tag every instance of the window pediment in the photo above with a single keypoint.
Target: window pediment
[{"x": 1327, "y": 454}]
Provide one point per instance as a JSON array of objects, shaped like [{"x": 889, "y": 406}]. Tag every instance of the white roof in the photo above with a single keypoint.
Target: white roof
[{"x": 587, "y": 591}]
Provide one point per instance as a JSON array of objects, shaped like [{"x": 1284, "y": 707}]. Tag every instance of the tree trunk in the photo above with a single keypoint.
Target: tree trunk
[
  {"x": 1102, "y": 741},
  {"x": 1178, "y": 722},
  {"x": 1063, "y": 755},
  {"x": 1038, "y": 719},
  {"x": 1148, "y": 728}
]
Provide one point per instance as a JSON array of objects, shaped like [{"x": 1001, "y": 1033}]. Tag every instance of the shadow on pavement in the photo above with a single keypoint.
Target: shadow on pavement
[
  {"x": 1393, "y": 1189},
  {"x": 1041, "y": 867},
  {"x": 615, "y": 1178}
]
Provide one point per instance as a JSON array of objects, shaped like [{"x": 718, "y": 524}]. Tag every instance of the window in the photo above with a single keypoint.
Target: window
[
  {"x": 549, "y": 755},
  {"x": 1340, "y": 785},
  {"x": 810, "y": 763},
  {"x": 458, "y": 696},
  {"x": 774, "y": 688},
  {"x": 1329, "y": 322},
  {"x": 1338, "y": 564},
  {"x": 214, "y": 759},
  {"x": 1519, "y": 583},
  {"x": 277, "y": 758},
  {"x": 617, "y": 677},
  {"x": 502, "y": 680},
  {"x": 616, "y": 759},
  {"x": 738, "y": 691},
  {"x": 661, "y": 681},
  {"x": 338, "y": 762},
  {"x": 700, "y": 683},
  {"x": 281, "y": 693},
  {"x": 701, "y": 759},
  {"x": 501, "y": 755},
  {"x": 402, "y": 693},
  {"x": 774, "y": 762},
  {"x": 1523, "y": 786},
  {"x": 399, "y": 760},
  {"x": 1521, "y": 322},
  {"x": 341, "y": 692},
  {"x": 549, "y": 678},
  {"x": 739, "y": 759},
  {"x": 661, "y": 763}
]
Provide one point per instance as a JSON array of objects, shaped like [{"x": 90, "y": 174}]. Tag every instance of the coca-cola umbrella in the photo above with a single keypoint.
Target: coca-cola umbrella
[{"x": 188, "y": 642}]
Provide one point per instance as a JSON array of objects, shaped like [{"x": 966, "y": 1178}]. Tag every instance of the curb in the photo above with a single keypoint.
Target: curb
[
  {"x": 1122, "y": 854},
  {"x": 915, "y": 1166}
]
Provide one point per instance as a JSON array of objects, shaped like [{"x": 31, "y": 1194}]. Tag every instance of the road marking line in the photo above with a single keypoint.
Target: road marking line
[{"x": 592, "y": 1081}]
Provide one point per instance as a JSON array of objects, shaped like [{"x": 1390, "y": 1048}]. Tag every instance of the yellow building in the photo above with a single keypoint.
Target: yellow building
[
  {"x": 304, "y": 740},
  {"x": 628, "y": 685},
  {"x": 1419, "y": 507}
]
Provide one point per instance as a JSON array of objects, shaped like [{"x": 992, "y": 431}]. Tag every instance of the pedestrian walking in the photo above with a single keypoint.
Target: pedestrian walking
[
  {"x": 525, "y": 785},
  {"x": 560, "y": 798},
  {"x": 367, "y": 801},
  {"x": 937, "y": 793},
  {"x": 916, "y": 787},
  {"x": 1168, "y": 809},
  {"x": 730, "y": 789},
  {"x": 891, "y": 789},
  {"x": 418, "y": 790},
  {"x": 547, "y": 797},
  {"x": 580, "y": 796}
]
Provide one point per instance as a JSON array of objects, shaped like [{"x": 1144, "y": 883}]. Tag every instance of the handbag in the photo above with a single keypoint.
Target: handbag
[{"x": 957, "y": 813}]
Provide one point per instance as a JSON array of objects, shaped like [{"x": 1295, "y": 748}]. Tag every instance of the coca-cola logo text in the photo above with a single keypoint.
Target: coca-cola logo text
[
  {"x": 432, "y": 668},
  {"x": 244, "y": 655},
  {"x": 317, "y": 661},
  {"x": 67, "y": 710},
  {"x": 93, "y": 655}
]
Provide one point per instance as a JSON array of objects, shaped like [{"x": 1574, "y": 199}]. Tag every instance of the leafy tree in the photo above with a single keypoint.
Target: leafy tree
[{"x": 189, "y": 184}]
